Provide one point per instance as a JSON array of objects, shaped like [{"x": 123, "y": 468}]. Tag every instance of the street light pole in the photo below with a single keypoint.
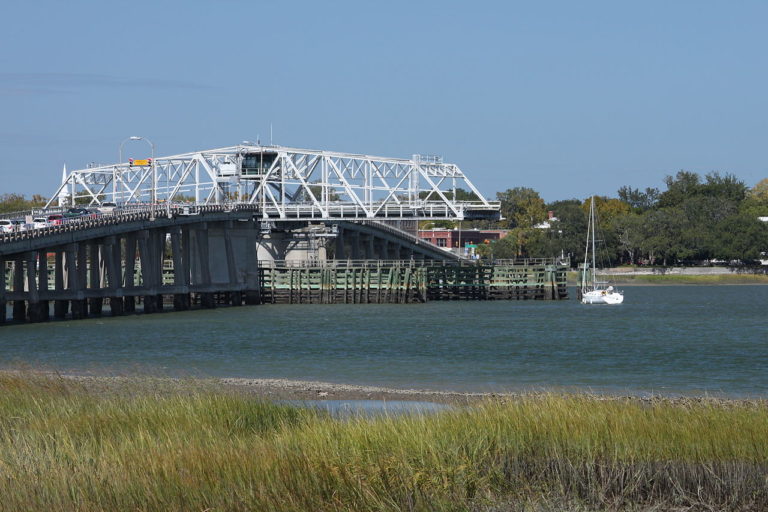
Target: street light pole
[{"x": 153, "y": 190}]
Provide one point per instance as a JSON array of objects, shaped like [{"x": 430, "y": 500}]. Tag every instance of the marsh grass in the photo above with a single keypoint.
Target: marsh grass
[
  {"x": 694, "y": 279},
  {"x": 674, "y": 279},
  {"x": 151, "y": 445}
]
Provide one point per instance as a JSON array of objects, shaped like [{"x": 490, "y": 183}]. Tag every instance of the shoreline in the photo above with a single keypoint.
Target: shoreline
[{"x": 298, "y": 390}]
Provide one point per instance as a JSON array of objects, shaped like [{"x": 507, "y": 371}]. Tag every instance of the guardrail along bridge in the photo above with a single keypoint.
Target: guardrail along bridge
[{"x": 215, "y": 220}]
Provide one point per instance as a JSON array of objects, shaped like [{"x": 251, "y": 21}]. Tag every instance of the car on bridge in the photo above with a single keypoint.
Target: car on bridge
[
  {"x": 107, "y": 208},
  {"x": 55, "y": 219},
  {"x": 40, "y": 222},
  {"x": 20, "y": 225},
  {"x": 6, "y": 226},
  {"x": 74, "y": 213}
]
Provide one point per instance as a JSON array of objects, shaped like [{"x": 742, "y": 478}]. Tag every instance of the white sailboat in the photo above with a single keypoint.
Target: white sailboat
[{"x": 593, "y": 291}]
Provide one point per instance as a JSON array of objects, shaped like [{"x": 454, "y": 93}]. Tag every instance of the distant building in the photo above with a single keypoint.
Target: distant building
[
  {"x": 547, "y": 223},
  {"x": 461, "y": 241}
]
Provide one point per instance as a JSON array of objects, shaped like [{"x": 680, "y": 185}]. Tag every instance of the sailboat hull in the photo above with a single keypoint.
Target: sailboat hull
[{"x": 602, "y": 297}]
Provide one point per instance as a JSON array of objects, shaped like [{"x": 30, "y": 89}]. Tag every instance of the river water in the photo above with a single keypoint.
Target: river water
[{"x": 663, "y": 339}]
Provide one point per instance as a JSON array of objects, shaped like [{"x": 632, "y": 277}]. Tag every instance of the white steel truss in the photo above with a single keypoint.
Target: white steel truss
[{"x": 285, "y": 183}]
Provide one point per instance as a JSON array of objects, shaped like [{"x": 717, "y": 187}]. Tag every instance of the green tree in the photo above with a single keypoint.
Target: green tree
[
  {"x": 505, "y": 248},
  {"x": 684, "y": 185},
  {"x": 10, "y": 203},
  {"x": 756, "y": 202},
  {"x": 760, "y": 191},
  {"x": 740, "y": 237},
  {"x": 607, "y": 208},
  {"x": 522, "y": 207},
  {"x": 726, "y": 187},
  {"x": 640, "y": 201},
  {"x": 629, "y": 230},
  {"x": 566, "y": 234}
]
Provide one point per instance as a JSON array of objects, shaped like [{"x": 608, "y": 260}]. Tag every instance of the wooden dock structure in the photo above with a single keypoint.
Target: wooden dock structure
[{"x": 410, "y": 281}]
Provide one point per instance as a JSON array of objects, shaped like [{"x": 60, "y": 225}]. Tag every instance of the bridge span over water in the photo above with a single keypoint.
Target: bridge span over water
[{"x": 217, "y": 218}]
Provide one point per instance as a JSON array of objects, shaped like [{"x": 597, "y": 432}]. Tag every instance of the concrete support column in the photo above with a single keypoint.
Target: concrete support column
[
  {"x": 390, "y": 251},
  {"x": 395, "y": 251},
  {"x": 19, "y": 306},
  {"x": 94, "y": 278},
  {"x": 181, "y": 301},
  {"x": 159, "y": 265},
  {"x": 43, "y": 312},
  {"x": 148, "y": 273},
  {"x": 207, "y": 299},
  {"x": 77, "y": 267},
  {"x": 232, "y": 273},
  {"x": 369, "y": 249},
  {"x": 355, "y": 245},
  {"x": 340, "y": 252},
  {"x": 252, "y": 286},
  {"x": 129, "y": 279},
  {"x": 112, "y": 260},
  {"x": 60, "y": 307},
  {"x": 33, "y": 303}
]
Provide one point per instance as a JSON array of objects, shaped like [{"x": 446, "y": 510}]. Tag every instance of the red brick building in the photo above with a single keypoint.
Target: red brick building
[{"x": 458, "y": 239}]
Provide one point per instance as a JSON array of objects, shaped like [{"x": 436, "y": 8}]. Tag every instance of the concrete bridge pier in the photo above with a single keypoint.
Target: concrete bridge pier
[
  {"x": 111, "y": 264},
  {"x": 37, "y": 309},
  {"x": 252, "y": 294},
  {"x": 149, "y": 259},
  {"x": 77, "y": 267},
  {"x": 354, "y": 245},
  {"x": 95, "y": 304},
  {"x": 19, "y": 306},
  {"x": 368, "y": 247},
  {"x": 181, "y": 254},
  {"x": 339, "y": 252},
  {"x": 235, "y": 297},
  {"x": 129, "y": 278},
  {"x": 60, "y": 306},
  {"x": 34, "y": 313}
]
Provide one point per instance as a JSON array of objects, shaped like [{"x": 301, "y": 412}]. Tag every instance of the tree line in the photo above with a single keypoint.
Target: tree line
[
  {"x": 695, "y": 219},
  {"x": 10, "y": 203}
]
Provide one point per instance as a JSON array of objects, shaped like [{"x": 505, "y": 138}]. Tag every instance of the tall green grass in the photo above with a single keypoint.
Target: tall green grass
[{"x": 149, "y": 445}]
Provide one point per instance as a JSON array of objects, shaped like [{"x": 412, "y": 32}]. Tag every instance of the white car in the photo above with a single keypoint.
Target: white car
[
  {"x": 40, "y": 222},
  {"x": 19, "y": 225},
  {"x": 6, "y": 226},
  {"x": 106, "y": 208}
]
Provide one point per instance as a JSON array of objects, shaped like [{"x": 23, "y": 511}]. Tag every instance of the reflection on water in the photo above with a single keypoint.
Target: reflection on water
[{"x": 663, "y": 339}]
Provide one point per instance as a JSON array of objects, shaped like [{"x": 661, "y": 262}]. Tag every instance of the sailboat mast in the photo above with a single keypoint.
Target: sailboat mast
[
  {"x": 592, "y": 214},
  {"x": 586, "y": 253}
]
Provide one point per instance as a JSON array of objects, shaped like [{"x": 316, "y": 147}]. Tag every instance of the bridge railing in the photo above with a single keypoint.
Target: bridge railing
[
  {"x": 346, "y": 263},
  {"x": 298, "y": 211},
  {"x": 533, "y": 261}
]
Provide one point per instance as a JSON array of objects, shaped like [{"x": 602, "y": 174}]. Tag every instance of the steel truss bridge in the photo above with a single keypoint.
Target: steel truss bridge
[{"x": 284, "y": 183}]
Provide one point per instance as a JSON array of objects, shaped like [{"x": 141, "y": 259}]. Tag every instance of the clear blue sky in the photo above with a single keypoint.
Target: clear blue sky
[{"x": 569, "y": 98}]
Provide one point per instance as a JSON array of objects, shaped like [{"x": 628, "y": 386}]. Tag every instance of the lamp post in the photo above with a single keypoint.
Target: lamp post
[{"x": 153, "y": 191}]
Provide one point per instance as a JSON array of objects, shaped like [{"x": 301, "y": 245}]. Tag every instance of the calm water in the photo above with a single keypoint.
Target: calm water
[{"x": 663, "y": 339}]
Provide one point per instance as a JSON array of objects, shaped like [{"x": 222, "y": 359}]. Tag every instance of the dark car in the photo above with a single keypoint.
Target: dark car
[{"x": 76, "y": 212}]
